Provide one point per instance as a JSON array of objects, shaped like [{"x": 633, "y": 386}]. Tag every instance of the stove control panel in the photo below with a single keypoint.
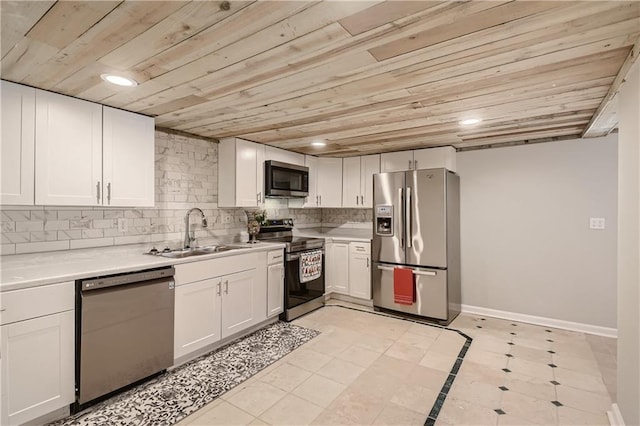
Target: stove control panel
[{"x": 287, "y": 223}]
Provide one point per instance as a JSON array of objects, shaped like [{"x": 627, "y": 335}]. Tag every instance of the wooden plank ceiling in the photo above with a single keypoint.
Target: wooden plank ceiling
[{"x": 365, "y": 76}]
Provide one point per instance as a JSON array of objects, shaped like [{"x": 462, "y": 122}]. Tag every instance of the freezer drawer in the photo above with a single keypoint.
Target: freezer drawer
[{"x": 431, "y": 291}]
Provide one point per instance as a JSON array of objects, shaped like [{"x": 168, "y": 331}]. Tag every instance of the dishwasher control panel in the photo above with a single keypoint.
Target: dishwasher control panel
[{"x": 127, "y": 278}]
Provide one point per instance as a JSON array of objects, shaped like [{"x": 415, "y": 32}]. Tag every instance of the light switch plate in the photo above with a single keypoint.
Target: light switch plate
[{"x": 596, "y": 223}]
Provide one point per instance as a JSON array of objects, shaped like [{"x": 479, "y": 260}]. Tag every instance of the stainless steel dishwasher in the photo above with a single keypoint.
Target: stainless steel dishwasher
[{"x": 124, "y": 331}]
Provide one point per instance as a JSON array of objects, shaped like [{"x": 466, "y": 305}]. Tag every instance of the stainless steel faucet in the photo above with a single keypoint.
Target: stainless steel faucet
[{"x": 188, "y": 239}]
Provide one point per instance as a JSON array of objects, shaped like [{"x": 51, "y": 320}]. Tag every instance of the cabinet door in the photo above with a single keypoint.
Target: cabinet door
[
  {"x": 369, "y": 165},
  {"x": 351, "y": 179},
  {"x": 37, "y": 367},
  {"x": 246, "y": 172},
  {"x": 284, "y": 156},
  {"x": 359, "y": 270},
  {"x": 17, "y": 144},
  {"x": 128, "y": 159},
  {"x": 275, "y": 289},
  {"x": 340, "y": 268},
  {"x": 330, "y": 182},
  {"x": 197, "y": 316},
  {"x": 238, "y": 301},
  {"x": 312, "y": 163},
  {"x": 433, "y": 158},
  {"x": 396, "y": 161},
  {"x": 68, "y": 151}
]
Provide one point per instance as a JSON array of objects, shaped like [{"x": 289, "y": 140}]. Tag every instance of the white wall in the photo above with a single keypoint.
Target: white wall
[
  {"x": 526, "y": 243},
  {"x": 629, "y": 250}
]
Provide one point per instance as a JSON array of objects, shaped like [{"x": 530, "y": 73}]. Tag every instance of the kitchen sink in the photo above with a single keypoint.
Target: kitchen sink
[{"x": 197, "y": 251}]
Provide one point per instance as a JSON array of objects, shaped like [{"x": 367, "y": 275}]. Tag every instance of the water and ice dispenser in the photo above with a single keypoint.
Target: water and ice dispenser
[{"x": 384, "y": 220}]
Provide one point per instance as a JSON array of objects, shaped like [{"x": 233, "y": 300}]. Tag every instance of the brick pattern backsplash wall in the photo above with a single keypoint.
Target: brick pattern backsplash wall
[
  {"x": 186, "y": 176},
  {"x": 354, "y": 217}
]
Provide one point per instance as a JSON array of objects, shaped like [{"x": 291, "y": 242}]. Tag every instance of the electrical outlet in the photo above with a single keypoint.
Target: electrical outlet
[
  {"x": 596, "y": 223},
  {"x": 228, "y": 218},
  {"x": 123, "y": 225}
]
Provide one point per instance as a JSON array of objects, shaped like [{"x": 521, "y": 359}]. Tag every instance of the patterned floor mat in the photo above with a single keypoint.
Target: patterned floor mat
[{"x": 174, "y": 395}]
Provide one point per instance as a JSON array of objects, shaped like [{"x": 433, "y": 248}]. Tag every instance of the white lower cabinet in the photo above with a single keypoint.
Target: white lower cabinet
[
  {"x": 217, "y": 298},
  {"x": 37, "y": 352},
  {"x": 275, "y": 283},
  {"x": 197, "y": 316},
  {"x": 238, "y": 302},
  {"x": 360, "y": 270},
  {"x": 349, "y": 268},
  {"x": 337, "y": 266}
]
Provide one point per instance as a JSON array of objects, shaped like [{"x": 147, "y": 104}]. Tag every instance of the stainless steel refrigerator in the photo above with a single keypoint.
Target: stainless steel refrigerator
[{"x": 417, "y": 226}]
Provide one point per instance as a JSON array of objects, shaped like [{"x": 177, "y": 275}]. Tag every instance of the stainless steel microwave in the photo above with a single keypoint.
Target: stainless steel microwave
[{"x": 284, "y": 180}]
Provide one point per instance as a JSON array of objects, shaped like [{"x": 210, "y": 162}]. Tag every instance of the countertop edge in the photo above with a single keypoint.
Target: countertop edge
[{"x": 142, "y": 263}]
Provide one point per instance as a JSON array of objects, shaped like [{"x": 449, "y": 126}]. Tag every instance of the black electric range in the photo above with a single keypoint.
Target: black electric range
[{"x": 304, "y": 285}]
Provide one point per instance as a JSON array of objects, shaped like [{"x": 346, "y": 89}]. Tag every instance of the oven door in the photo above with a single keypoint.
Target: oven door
[{"x": 296, "y": 292}]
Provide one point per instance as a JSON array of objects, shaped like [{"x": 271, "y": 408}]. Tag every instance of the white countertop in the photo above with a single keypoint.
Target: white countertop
[
  {"x": 30, "y": 270},
  {"x": 337, "y": 233}
]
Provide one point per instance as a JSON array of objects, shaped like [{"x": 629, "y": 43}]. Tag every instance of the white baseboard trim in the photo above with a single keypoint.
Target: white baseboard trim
[
  {"x": 548, "y": 322},
  {"x": 615, "y": 416}
]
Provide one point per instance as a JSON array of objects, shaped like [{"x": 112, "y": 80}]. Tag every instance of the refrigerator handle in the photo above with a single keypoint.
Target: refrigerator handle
[
  {"x": 407, "y": 218},
  {"x": 401, "y": 215}
]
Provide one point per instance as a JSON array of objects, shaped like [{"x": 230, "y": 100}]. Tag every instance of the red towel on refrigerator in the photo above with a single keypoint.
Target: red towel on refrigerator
[{"x": 403, "y": 286}]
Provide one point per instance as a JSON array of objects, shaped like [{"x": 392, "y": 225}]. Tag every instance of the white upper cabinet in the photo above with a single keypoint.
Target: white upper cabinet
[
  {"x": 18, "y": 144},
  {"x": 68, "y": 151},
  {"x": 312, "y": 163},
  {"x": 428, "y": 158},
  {"x": 369, "y": 166},
  {"x": 128, "y": 158},
  {"x": 351, "y": 191},
  {"x": 357, "y": 180},
  {"x": 433, "y": 158},
  {"x": 284, "y": 156},
  {"x": 241, "y": 173},
  {"x": 396, "y": 161},
  {"x": 329, "y": 182},
  {"x": 87, "y": 155}
]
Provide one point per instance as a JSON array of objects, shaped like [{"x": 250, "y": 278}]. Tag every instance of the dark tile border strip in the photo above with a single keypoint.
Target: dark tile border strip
[{"x": 444, "y": 391}]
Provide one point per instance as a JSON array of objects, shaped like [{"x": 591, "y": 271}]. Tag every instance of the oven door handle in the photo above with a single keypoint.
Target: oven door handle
[{"x": 296, "y": 256}]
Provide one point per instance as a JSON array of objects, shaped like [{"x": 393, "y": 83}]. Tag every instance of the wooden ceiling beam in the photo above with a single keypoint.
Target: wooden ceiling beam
[{"x": 602, "y": 114}]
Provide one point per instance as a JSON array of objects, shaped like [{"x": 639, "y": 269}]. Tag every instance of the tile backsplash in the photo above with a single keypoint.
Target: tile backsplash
[{"x": 186, "y": 170}]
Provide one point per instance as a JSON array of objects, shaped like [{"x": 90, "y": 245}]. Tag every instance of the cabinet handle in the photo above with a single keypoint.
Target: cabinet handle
[
  {"x": 259, "y": 196},
  {"x": 362, "y": 200},
  {"x": 317, "y": 202},
  {"x": 109, "y": 193},
  {"x": 359, "y": 248},
  {"x": 320, "y": 199},
  {"x": 98, "y": 192},
  {"x": 409, "y": 164},
  {"x": 3, "y": 309},
  {"x": 367, "y": 263},
  {"x": 220, "y": 288},
  {"x": 226, "y": 287},
  {"x": 415, "y": 164},
  {"x": 277, "y": 257},
  {"x": 357, "y": 201}
]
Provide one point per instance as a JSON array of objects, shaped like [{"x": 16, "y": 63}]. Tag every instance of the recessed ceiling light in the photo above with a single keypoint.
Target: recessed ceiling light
[
  {"x": 470, "y": 121},
  {"x": 318, "y": 143},
  {"x": 119, "y": 80}
]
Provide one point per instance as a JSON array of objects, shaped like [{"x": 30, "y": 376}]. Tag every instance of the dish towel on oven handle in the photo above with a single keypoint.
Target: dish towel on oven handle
[{"x": 310, "y": 265}]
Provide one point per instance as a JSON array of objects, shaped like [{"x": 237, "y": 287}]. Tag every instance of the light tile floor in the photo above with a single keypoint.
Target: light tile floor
[{"x": 373, "y": 369}]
